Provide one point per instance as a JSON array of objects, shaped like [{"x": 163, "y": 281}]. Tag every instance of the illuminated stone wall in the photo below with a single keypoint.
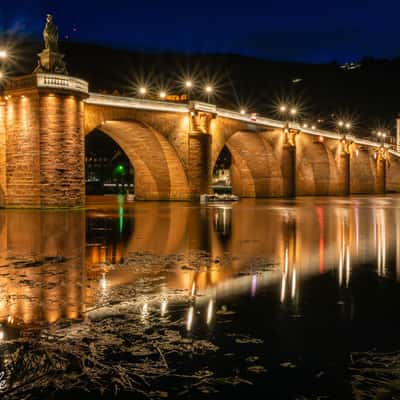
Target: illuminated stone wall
[
  {"x": 44, "y": 149},
  {"x": 173, "y": 153}
]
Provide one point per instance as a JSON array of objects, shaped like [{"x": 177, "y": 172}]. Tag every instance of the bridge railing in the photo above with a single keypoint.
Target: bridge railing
[
  {"x": 129, "y": 102},
  {"x": 48, "y": 81}
]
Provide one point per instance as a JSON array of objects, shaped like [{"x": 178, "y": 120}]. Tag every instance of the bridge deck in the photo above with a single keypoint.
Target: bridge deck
[{"x": 143, "y": 104}]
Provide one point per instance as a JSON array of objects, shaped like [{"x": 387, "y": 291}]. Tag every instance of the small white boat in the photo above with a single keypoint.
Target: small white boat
[
  {"x": 130, "y": 197},
  {"x": 213, "y": 198}
]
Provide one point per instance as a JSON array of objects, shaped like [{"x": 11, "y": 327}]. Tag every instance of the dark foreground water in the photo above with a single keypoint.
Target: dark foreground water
[{"x": 270, "y": 298}]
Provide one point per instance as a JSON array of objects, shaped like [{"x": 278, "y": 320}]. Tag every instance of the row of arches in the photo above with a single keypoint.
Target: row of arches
[{"x": 252, "y": 164}]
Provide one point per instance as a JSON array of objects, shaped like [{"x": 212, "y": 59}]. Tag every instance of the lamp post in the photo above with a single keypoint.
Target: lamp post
[
  {"x": 209, "y": 90},
  {"x": 343, "y": 128},
  {"x": 382, "y": 137},
  {"x": 188, "y": 86}
]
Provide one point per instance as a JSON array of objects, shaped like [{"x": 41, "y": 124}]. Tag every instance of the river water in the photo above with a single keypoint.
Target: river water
[{"x": 280, "y": 296}]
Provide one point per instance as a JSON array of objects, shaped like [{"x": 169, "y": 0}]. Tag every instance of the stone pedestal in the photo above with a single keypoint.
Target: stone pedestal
[
  {"x": 51, "y": 62},
  {"x": 44, "y": 141}
]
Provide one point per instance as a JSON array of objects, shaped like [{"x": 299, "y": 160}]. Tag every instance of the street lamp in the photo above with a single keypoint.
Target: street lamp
[
  {"x": 382, "y": 136},
  {"x": 209, "y": 90},
  {"x": 243, "y": 111},
  {"x": 342, "y": 126},
  {"x": 163, "y": 95},
  {"x": 3, "y": 54},
  {"x": 142, "y": 91},
  {"x": 189, "y": 87}
]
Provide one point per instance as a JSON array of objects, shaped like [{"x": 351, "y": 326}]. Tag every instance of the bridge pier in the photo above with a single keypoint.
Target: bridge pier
[
  {"x": 44, "y": 151},
  {"x": 381, "y": 172},
  {"x": 199, "y": 150},
  {"x": 288, "y": 166}
]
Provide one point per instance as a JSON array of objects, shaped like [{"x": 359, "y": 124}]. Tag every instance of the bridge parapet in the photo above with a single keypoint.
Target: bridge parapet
[{"x": 48, "y": 81}]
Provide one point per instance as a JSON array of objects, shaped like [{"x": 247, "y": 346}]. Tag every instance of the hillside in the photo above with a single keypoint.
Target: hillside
[{"x": 368, "y": 95}]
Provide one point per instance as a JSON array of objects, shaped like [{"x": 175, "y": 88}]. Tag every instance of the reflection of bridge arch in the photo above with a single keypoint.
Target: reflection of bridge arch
[{"x": 159, "y": 173}]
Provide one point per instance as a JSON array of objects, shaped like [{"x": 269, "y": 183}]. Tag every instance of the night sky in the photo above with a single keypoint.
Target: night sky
[{"x": 310, "y": 31}]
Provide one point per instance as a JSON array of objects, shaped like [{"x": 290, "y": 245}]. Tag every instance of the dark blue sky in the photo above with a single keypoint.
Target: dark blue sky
[{"x": 310, "y": 30}]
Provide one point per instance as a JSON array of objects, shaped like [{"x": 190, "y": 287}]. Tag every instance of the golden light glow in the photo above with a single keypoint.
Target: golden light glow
[
  {"x": 142, "y": 90},
  {"x": 209, "y": 89},
  {"x": 3, "y": 54},
  {"x": 188, "y": 84},
  {"x": 163, "y": 95},
  {"x": 242, "y": 111},
  {"x": 282, "y": 108},
  {"x": 293, "y": 111}
]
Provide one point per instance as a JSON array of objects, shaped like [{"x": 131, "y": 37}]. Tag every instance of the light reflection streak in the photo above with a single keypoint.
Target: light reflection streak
[
  {"x": 189, "y": 320},
  {"x": 347, "y": 266},
  {"x": 253, "y": 285},
  {"x": 294, "y": 283},
  {"x": 193, "y": 290},
  {"x": 145, "y": 311},
  {"x": 283, "y": 286},
  {"x": 381, "y": 241},
  {"x": 210, "y": 311},
  {"x": 164, "y": 305}
]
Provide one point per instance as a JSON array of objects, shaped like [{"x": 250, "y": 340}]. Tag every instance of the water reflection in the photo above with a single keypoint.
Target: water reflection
[{"x": 57, "y": 264}]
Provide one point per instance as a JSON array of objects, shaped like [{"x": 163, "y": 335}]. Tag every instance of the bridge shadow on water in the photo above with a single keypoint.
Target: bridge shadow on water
[{"x": 286, "y": 290}]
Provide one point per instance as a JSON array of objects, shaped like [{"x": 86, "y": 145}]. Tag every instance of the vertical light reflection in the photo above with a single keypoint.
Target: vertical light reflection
[
  {"x": 347, "y": 265},
  {"x": 253, "y": 285},
  {"x": 103, "y": 284},
  {"x": 283, "y": 286},
  {"x": 380, "y": 228},
  {"x": 294, "y": 277},
  {"x": 189, "y": 320},
  {"x": 210, "y": 309},
  {"x": 357, "y": 223},
  {"x": 144, "y": 314},
  {"x": 193, "y": 290},
  {"x": 164, "y": 306},
  {"x": 320, "y": 213}
]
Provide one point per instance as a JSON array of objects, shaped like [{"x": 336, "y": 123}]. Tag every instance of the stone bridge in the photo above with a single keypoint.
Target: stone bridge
[{"x": 173, "y": 148}]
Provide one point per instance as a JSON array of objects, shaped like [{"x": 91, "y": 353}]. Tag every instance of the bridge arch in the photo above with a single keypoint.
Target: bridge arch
[
  {"x": 320, "y": 168},
  {"x": 255, "y": 169},
  {"x": 159, "y": 173}
]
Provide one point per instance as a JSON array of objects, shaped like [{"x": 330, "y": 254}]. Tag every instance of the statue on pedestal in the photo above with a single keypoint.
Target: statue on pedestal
[
  {"x": 50, "y": 34},
  {"x": 50, "y": 60}
]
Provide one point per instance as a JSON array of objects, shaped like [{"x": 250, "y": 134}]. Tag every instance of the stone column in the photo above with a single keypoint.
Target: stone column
[
  {"x": 199, "y": 152},
  {"x": 381, "y": 171},
  {"x": 45, "y": 141},
  {"x": 288, "y": 163},
  {"x": 347, "y": 172},
  {"x": 199, "y": 174}
]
